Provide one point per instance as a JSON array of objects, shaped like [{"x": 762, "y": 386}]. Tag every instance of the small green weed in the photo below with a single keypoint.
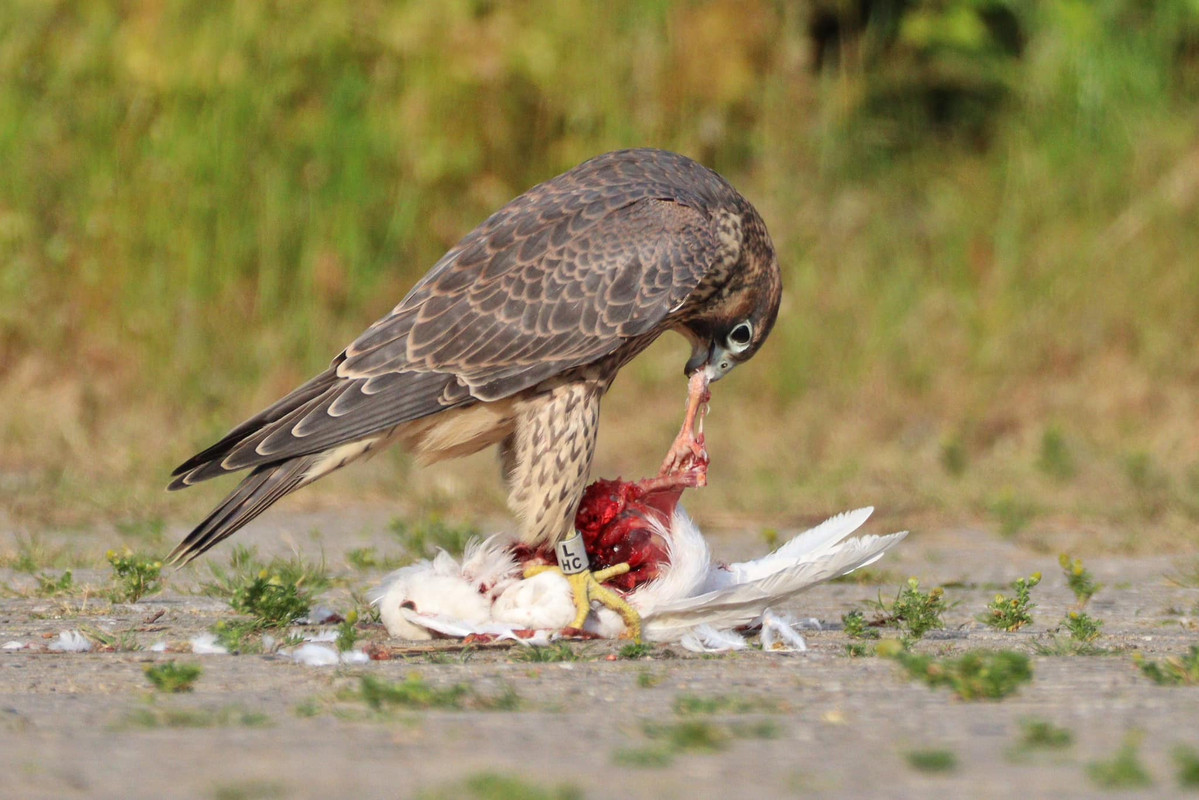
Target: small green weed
[
  {"x": 49, "y": 586},
  {"x": 551, "y": 654},
  {"x": 34, "y": 554},
  {"x": 1122, "y": 771},
  {"x": 364, "y": 558},
  {"x": 239, "y": 635},
  {"x": 1173, "y": 670},
  {"x": 1067, "y": 646},
  {"x": 273, "y": 594},
  {"x": 414, "y": 693},
  {"x": 647, "y": 757},
  {"x": 171, "y": 676},
  {"x": 757, "y": 729},
  {"x": 932, "y": 761},
  {"x": 428, "y": 534},
  {"x": 856, "y": 626},
  {"x": 689, "y": 736},
  {"x": 1187, "y": 761},
  {"x": 224, "y": 717},
  {"x": 648, "y": 680},
  {"x": 270, "y": 600},
  {"x": 974, "y": 675},
  {"x": 119, "y": 642},
  {"x": 954, "y": 456},
  {"x": 1040, "y": 734},
  {"x": 1012, "y": 613},
  {"x": 1082, "y": 626},
  {"x": 1143, "y": 472},
  {"x": 308, "y": 707},
  {"x": 915, "y": 612},
  {"x": 250, "y": 790},
  {"x": 1079, "y": 579},
  {"x": 690, "y": 704},
  {"x": 347, "y": 632},
  {"x": 1055, "y": 459},
  {"x": 1013, "y": 513},
  {"x": 493, "y": 786},
  {"x": 134, "y": 575},
  {"x": 770, "y": 537},
  {"x": 858, "y": 650},
  {"x": 636, "y": 650},
  {"x": 368, "y": 612}
]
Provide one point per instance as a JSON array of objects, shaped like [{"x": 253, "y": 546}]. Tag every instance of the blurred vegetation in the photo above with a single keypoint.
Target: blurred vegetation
[{"x": 985, "y": 209}]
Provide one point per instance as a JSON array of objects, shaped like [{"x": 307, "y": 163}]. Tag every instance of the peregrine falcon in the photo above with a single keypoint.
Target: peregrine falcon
[{"x": 513, "y": 337}]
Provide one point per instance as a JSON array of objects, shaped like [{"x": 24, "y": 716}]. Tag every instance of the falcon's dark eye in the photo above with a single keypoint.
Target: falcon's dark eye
[{"x": 739, "y": 337}]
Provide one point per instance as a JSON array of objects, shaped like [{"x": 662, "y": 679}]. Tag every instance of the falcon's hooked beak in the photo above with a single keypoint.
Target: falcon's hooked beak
[{"x": 714, "y": 360}]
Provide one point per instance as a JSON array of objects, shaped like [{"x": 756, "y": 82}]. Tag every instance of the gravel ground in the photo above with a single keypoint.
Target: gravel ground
[{"x": 818, "y": 724}]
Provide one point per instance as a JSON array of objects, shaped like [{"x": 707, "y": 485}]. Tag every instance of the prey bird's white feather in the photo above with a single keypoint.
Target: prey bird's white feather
[{"x": 692, "y": 600}]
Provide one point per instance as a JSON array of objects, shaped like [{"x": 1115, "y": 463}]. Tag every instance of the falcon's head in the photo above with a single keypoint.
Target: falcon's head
[{"x": 729, "y": 327}]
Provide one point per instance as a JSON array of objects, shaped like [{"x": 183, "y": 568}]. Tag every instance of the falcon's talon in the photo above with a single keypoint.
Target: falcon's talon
[
  {"x": 602, "y": 575},
  {"x": 586, "y": 586}
]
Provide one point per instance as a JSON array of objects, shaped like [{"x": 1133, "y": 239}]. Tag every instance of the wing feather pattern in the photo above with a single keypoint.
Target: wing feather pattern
[
  {"x": 651, "y": 254},
  {"x": 564, "y": 275}
]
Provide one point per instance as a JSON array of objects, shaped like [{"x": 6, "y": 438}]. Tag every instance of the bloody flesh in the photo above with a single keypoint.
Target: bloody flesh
[{"x": 614, "y": 519}]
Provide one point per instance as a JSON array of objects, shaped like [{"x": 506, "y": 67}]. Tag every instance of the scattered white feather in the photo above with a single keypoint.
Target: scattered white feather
[
  {"x": 779, "y": 635},
  {"x": 354, "y": 657},
  {"x": 311, "y": 654},
  {"x": 489, "y": 564},
  {"x": 708, "y": 639},
  {"x": 326, "y": 635},
  {"x": 206, "y": 645},
  {"x": 13, "y": 645},
  {"x": 70, "y": 642},
  {"x": 158, "y": 647},
  {"x": 692, "y": 599},
  {"x": 314, "y": 655}
]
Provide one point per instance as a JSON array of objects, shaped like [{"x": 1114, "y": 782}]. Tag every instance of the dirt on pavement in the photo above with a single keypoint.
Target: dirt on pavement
[{"x": 673, "y": 725}]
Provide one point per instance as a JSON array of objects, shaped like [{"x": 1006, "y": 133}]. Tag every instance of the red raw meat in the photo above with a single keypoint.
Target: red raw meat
[{"x": 614, "y": 519}]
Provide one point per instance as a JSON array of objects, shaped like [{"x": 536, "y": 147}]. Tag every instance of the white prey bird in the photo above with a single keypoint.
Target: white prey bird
[{"x": 692, "y": 600}]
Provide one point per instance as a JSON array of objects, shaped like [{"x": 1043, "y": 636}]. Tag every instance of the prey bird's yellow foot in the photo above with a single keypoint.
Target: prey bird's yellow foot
[
  {"x": 687, "y": 453},
  {"x": 586, "y": 586}
]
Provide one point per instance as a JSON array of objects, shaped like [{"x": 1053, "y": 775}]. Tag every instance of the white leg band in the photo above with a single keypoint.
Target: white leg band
[{"x": 572, "y": 556}]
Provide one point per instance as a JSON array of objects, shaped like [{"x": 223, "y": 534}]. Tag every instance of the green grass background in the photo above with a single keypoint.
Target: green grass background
[{"x": 987, "y": 214}]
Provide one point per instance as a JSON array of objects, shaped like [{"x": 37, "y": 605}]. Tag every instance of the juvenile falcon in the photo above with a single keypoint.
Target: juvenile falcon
[{"x": 513, "y": 337}]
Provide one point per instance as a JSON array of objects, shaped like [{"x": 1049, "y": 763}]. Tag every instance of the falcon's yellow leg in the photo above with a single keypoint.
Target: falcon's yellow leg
[{"x": 586, "y": 586}]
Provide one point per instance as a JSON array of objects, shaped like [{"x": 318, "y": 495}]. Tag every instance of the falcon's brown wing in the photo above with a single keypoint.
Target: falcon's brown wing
[{"x": 559, "y": 278}]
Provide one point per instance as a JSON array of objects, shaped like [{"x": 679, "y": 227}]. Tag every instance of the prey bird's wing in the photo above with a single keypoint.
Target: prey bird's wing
[
  {"x": 562, "y": 276},
  {"x": 737, "y": 604}
]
